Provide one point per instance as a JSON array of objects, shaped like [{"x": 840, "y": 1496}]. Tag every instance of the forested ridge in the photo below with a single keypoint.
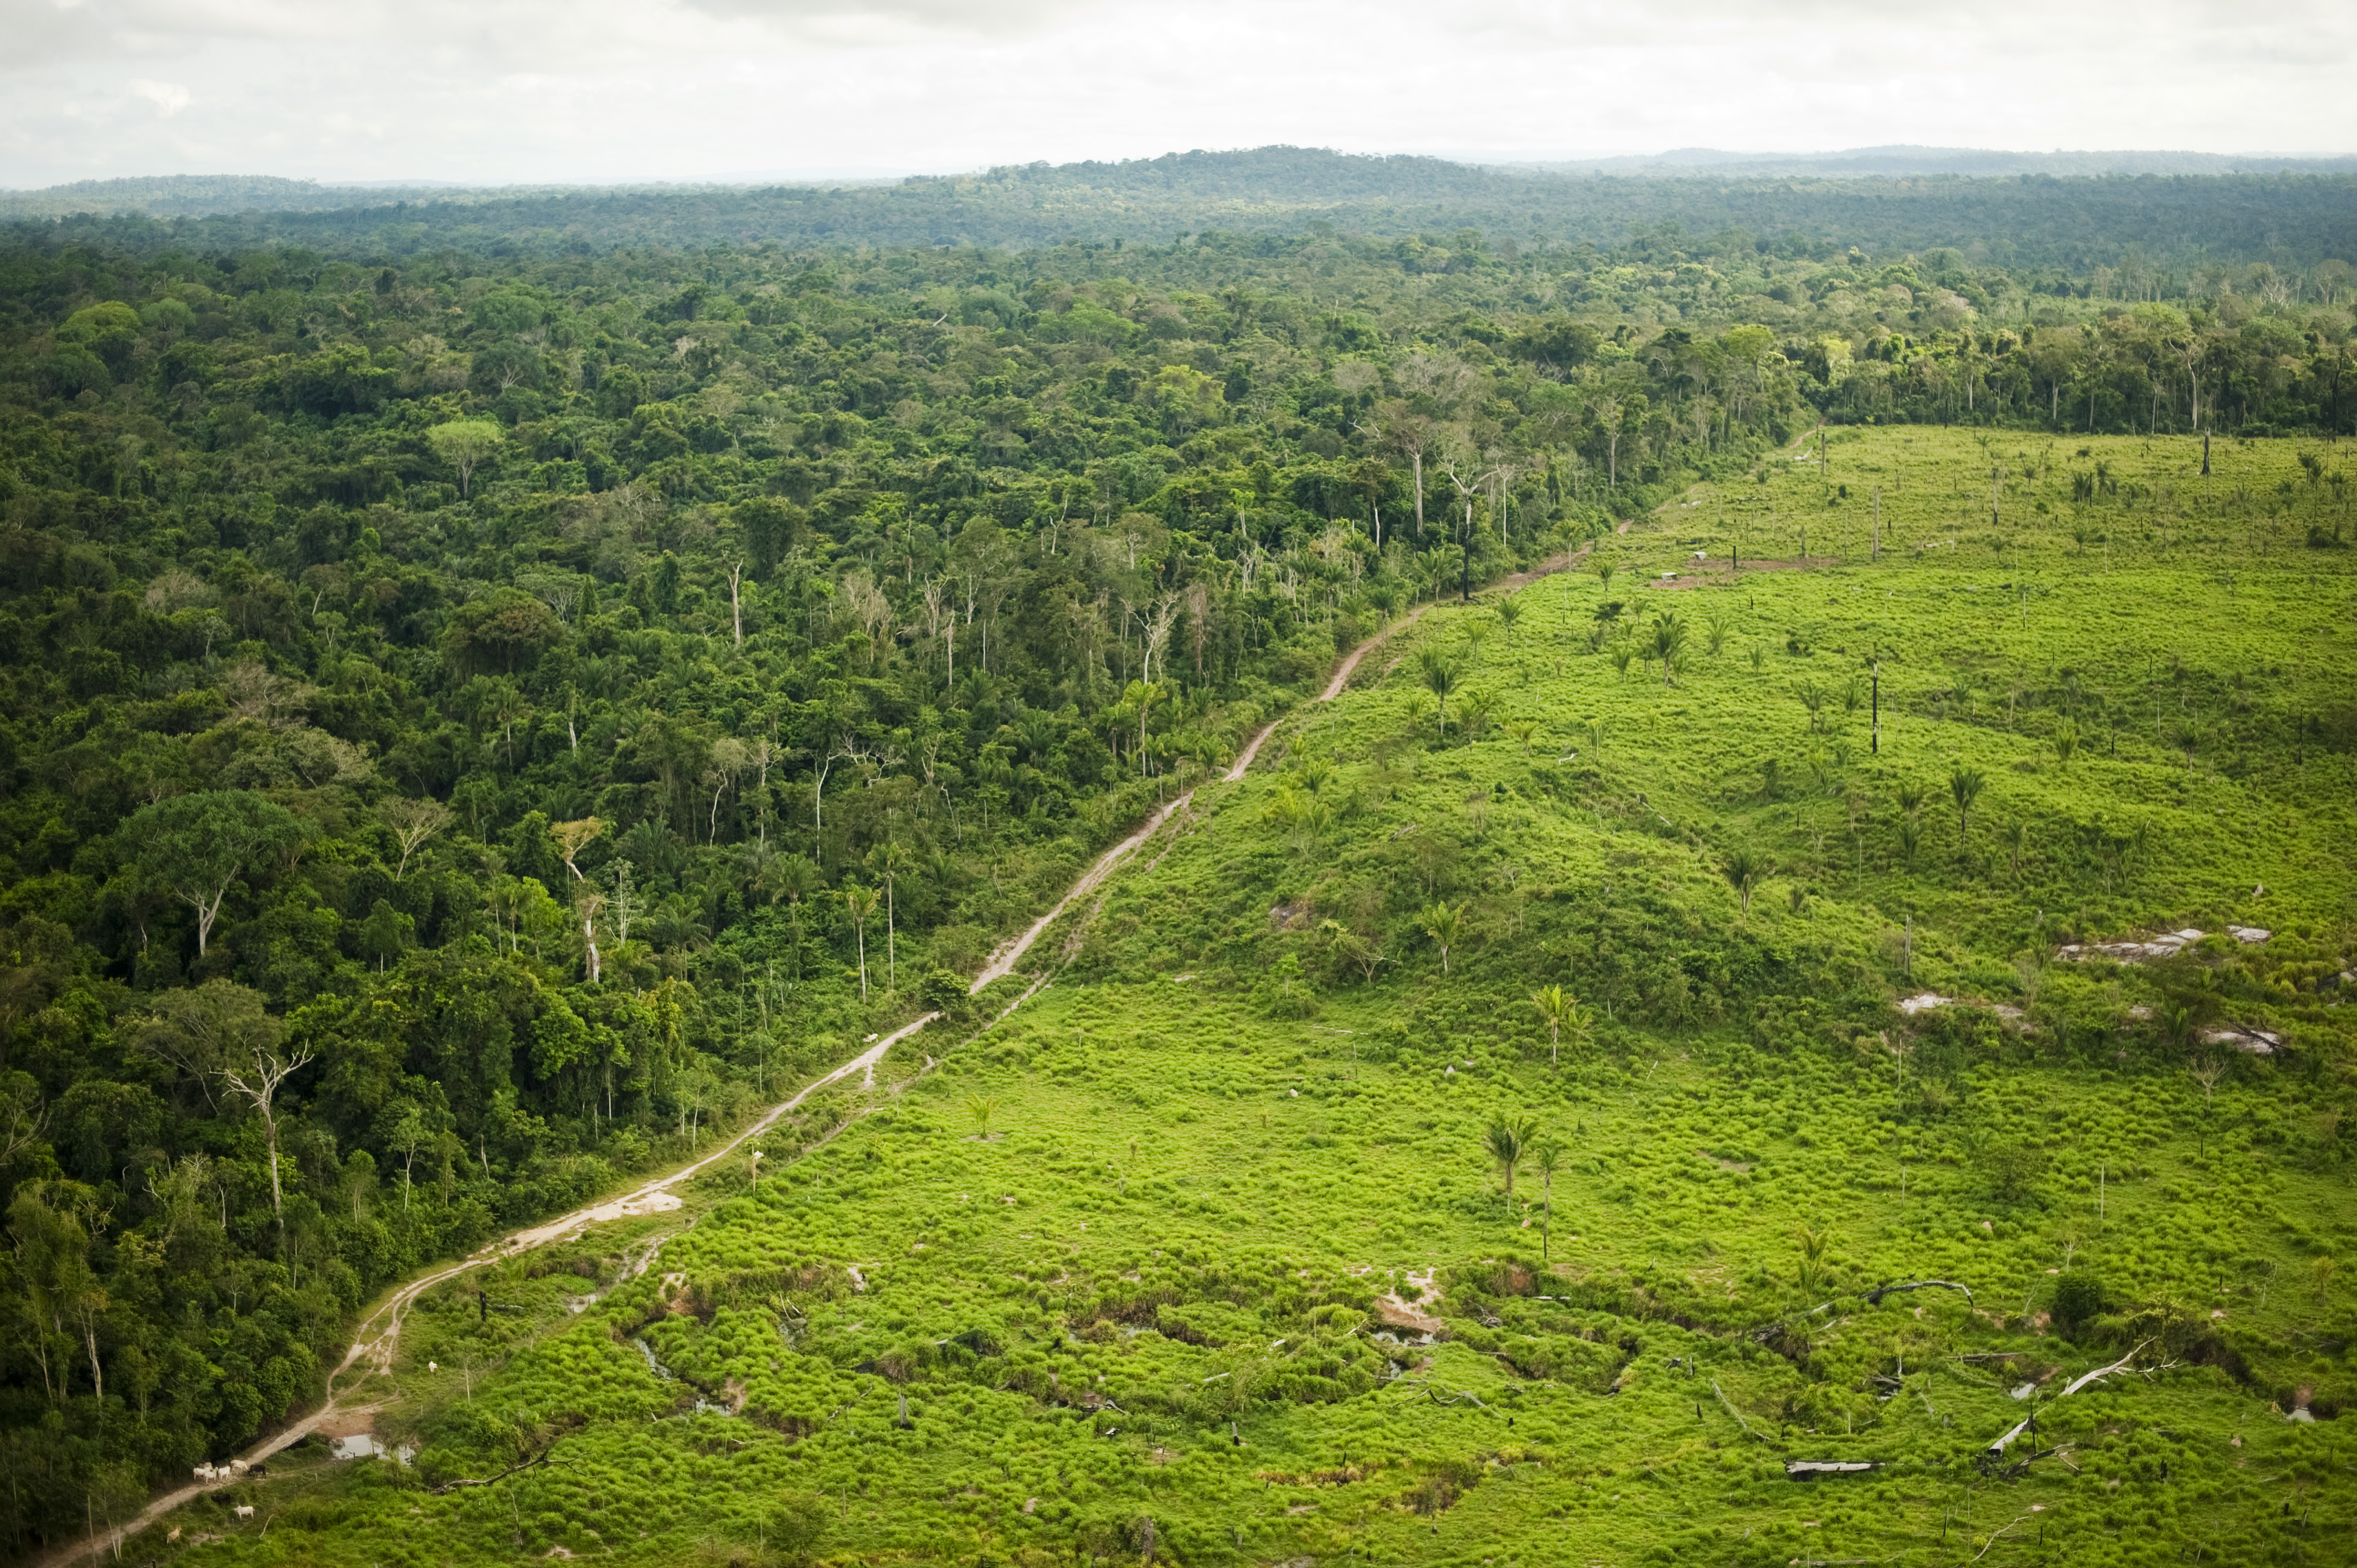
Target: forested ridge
[
  {"x": 2290, "y": 219},
  {"x": 475, "y": 724}
]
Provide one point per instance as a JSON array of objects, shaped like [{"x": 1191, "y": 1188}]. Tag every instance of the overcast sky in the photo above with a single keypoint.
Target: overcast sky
[{"x": 500, "y": 91}]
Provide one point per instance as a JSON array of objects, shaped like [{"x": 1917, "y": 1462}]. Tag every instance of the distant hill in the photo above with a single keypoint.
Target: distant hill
[
  {"x": 2020, "y": 217},
  {"x": 193, "y": 195},
  {"x": 1904, "y": 160}
]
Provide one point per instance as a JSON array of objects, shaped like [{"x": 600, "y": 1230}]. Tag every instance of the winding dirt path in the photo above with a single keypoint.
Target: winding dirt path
[{"x": 377, "y": 1341}]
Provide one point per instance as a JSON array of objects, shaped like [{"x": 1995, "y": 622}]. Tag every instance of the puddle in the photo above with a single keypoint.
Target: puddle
[{"x": 362, "y": 1446}]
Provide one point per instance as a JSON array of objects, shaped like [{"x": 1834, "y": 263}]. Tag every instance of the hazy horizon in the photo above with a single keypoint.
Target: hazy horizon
[
  {"x": 1665, "y": 159},
  {"x": 627, "y": 91}
]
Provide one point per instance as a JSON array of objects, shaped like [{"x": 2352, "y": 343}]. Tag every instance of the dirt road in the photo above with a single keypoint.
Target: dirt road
[{"x": 377, "y": 1342}]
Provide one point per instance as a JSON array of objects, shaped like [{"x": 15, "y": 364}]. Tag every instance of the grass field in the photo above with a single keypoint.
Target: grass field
[{"x": 1147, "y": 1268}]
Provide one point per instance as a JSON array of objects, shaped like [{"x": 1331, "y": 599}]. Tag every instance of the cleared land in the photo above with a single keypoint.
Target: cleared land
[{"x": 1148, "y": 1267}]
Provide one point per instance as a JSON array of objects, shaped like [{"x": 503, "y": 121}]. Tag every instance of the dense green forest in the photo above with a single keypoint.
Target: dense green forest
[
  {"x": 481, "y": 719},
  {"x": 2290, "y": 218}
]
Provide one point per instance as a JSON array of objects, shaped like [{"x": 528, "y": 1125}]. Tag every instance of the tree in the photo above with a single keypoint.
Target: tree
[
  {"x": 411, "y": 823},
  {"x": 505, "y": 629},
  {"x": 1443, "y": 922},
  {"x": 1365, "y": 952},
  {"x": 54, "y": 1221},
  {"x": 792, "y": 877},
  {"x": 194, "y": 846},
  {"x": 573, "y": 837},
  {"x": 1441, "y": 673},
  {"x": 465, "y": 445},
  {"x": 890, "y": 862},
  {"x": 1508, "y": 1139},
  {"x": 256, "y": 1073},
  {"x": 1965, "y": 784},
  {"x": 589, "y": 903},
  {"x": 1744, "y": 871},
  {"x": 201, "y": 1030},
  {"x": 982, "y": 1106},
  {"x": 1560, "y": 1010},
  {"x": 1546, "y": 1159},
  {"x": 1668, "y": 642},
  {"x": 861, "y": 902}
]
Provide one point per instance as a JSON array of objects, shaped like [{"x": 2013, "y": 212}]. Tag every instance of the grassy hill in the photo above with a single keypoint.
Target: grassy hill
[{"x": 1203, "y": 1255}]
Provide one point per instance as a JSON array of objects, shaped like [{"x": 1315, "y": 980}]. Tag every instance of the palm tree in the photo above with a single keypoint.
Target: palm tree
[
  {"x": 981, "y": 1107},
  {"x": 1965, "y": 784},
  {"x": 1813, "y": 697},
  {"x": 1443, "y": 922},
  {"x": 1668, "y": 641},
  {"x": 1813, "y": 1244},
  {"x": 2066, "y": 741},
  {"x": 1546, "y": 1159},
  {"x": 1441, "y": 673},
  {"x": 792, "y": 877},
  {"x": 1561, "y": 1010},
  {"x": 1509, "y": 1138},
  {"x": 1744, "y": 870},
  {"x": 890, "y": 862},
  {"x": 861, "y": 902}
]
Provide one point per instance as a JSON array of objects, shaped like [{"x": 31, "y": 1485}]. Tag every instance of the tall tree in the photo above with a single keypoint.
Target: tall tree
[{"x": 194, "y": 846}]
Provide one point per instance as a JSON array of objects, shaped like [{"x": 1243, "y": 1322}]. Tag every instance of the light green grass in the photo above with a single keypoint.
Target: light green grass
[{"x": 1221, "y": 1146}]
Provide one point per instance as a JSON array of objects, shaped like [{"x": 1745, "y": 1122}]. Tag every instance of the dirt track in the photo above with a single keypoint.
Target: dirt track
[{"x": 377, "y": 1341}]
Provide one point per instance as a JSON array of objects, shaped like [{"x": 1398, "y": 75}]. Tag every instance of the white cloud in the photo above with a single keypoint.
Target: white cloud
[
  {"x": 168, "y": 97},
  {"x": 486, "y": 91}
]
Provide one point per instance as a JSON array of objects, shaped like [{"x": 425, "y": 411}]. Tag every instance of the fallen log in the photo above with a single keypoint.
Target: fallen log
[
  {"x": 1874, "y": 1297},
  {"x": 1997, "y": 1450},
  {"x": 447, "y": 1487},
  {"x": 1810, "y": 1470}
]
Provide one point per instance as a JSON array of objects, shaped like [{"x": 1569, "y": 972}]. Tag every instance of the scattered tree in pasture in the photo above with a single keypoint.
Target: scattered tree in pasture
[
  {"x": 1508, "y": 1139},
  {"x": 1362, "y": 952},
  {"x": 1560, "y": 1010},
  {"x": 1546, "y": 1159},
  {"x": 1441, "y": 673},
  {"x": 1744, "y": 870},
  {"x": 1443, "y": 923},
  {"x": 1813, "y": 697},
  {"x": 1965, "y": 784},
  {"x": 1667, "y": 643}
]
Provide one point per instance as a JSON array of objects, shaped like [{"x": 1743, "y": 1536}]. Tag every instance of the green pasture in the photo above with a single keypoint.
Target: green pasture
[{"x": 1109, "y": 1279}]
